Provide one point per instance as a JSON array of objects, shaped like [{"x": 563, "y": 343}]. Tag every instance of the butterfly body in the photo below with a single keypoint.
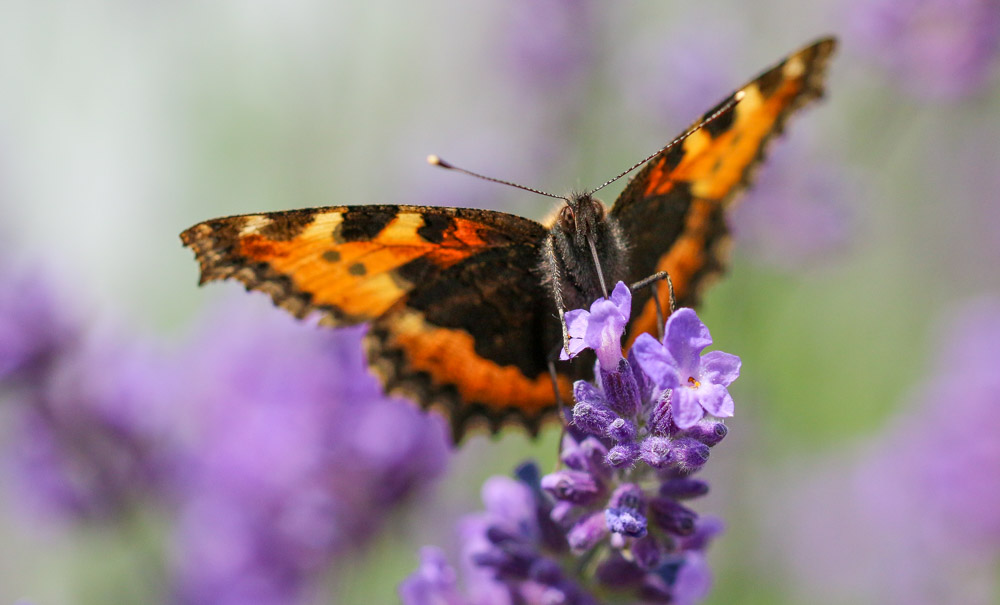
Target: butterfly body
[
  {"x": 575, "y": 273},
  {"x": 463, "y": 304}
]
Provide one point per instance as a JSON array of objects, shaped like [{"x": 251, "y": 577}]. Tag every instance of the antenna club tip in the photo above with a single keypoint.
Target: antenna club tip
[
  {"x": 739, "y": 95},
  {"x": 434, "y": 160}
]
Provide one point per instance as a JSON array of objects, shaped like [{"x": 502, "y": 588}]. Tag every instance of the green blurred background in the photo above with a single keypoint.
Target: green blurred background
[{"x": 122, "y": 122}]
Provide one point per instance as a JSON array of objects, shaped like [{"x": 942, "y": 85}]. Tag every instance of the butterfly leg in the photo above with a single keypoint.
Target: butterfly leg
[
  {"x": 551, "y": 266},
  {"x": 565, "y": 329},
  {"x": 563, "y": 416},
  {"x": 651, "y": 281},
  {"x": 555, "y": 386}
]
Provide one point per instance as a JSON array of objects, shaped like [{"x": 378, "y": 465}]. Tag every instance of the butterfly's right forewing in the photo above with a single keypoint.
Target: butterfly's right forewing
[{"x": 674, "y": 211}]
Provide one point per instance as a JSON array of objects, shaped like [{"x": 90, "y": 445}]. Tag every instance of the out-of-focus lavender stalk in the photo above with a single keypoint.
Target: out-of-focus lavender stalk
[
  {"x": 922, "y": 494},
  {"x": 936, "y": 49},
  {"x": 264, "y": 442}
]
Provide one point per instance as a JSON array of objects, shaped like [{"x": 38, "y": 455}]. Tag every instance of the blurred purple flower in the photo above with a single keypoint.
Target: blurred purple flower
[
  {"x": 514, "y": 541},
  {"x": 616, "y": 502},
  {"x": 924, "y": 494},
  {"x": 549, "y": 49},
  {"x": 949, "y": 451},
  {"x": 550, "y": 44},
  {"x": 265, "y": 442},
  {"x": 434, "y": 583},
  {"x": 942, "y": 49},
  {"x": 296, "y": 456},
  {"x": 34, "y": 324},
  {"x": 693, "y": 67},
  {"x": 89, "y": 407}
]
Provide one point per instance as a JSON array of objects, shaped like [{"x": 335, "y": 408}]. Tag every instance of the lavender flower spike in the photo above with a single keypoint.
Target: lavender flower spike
[
  {"x": 699, "y": 383},
  {"x": 616, "y": 505}
]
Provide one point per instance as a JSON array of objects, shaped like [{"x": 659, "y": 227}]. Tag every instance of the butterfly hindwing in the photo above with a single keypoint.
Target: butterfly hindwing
[
  {"x": 459, "y": 318},
  {"x": 673, "y": 210},
  {"x": 482, "y": 330}
]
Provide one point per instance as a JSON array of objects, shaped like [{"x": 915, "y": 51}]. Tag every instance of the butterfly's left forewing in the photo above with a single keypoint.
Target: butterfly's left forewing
[
  {"x": 459, "y": 318},
  {"x": 673, "y": 211}
]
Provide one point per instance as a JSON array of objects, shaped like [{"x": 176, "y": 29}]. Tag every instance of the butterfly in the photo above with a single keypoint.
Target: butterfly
[{"x": 464, "y": 305}]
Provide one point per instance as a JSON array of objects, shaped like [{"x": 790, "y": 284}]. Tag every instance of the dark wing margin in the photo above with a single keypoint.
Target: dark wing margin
[
  {"x": 459, "y": 319},
  {"x": 673, "y": 211}
]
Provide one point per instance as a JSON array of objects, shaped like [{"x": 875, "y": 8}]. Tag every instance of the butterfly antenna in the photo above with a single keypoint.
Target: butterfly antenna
[
  {"x": 715, "y": 115},
  {"x": 434, "y": 160}
]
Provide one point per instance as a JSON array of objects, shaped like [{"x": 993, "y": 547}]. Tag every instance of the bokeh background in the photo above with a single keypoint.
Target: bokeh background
[{"x": 165, "y": 443}]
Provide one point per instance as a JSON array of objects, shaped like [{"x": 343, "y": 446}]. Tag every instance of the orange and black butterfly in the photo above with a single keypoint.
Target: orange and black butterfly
[{"x": 463, "y": 305}]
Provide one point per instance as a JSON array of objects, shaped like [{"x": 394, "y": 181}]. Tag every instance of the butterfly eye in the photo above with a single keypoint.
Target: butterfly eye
[{"x": 567, "y": 218}]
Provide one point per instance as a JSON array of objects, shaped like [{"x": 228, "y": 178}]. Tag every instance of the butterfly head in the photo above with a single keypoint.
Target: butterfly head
[
  {"x": 584, "y": 245},
  {"x": 581, "y": 218}
]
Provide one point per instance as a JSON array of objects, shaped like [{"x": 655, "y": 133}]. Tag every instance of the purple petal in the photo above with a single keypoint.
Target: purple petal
[
  {"x": 604, "y": 332},
  {"x": 433, "y": 583},
  {"x": 693, "y": 580},
  {"x": 686, "y": 408},
  {"x": 577, "y": 321},
  {"x": 655, "y": 361},
  {"x": 716, "y": 400},
  {"x": 577, "y": 487},
  {"x": 622, "y": 298},
  {"x": 587, "y": 532},
  {"x": 720, "y": 368},
  {"x": 509, "y": 500},
  {"x": 685, "y": 337}
]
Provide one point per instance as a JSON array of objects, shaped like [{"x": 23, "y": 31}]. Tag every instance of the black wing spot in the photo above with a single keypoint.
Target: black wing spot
[
  {"x": 673, "y": 157},
  {"x": 434, "y": 227},
  {"x": 768, "y": 82},
  {"x": 363, "y": 225},
  {"x": 357, "y": 269},
  {"x": 286, "y": 226},
  {"x": 331, "y": 256},
  {"x": 724, "y": 121}
]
